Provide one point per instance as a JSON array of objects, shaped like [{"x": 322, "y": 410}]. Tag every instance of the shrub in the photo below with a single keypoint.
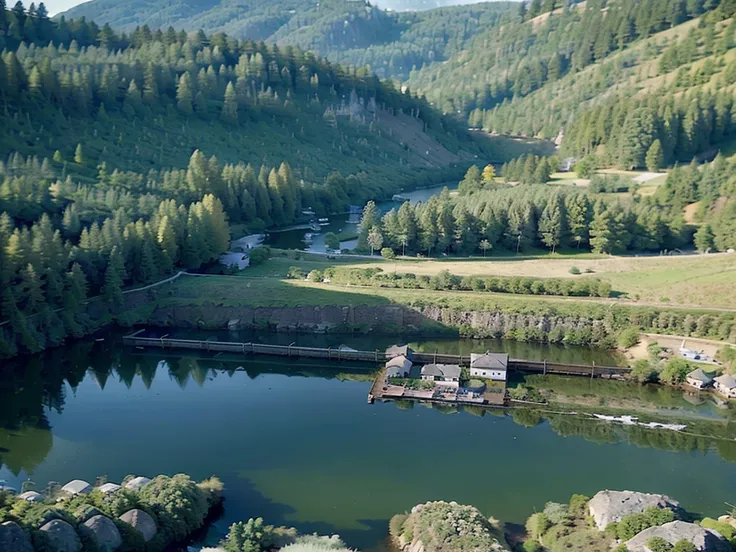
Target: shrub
[
  {"x": 332, "y": 241},
  {"x": 643, "y": 372},
  {"x": 634, "y": 524},
  {"x": 658, "y": 544},
  {"x": 295, "y": 273},
  {"x": 259, "y": 255},
  {"x": 578, "y": 505},
  {"x": 532, "y": 546},
  {"x": 537, "y": 525},
  {"x": 315, "y": 276},
  {"x": 686, "y": 546},
  {"x": 574, "y": 270},
  {"x": 388, "y": 253},
  {"x": 179, "y": 504},
  {"x": 629, "y": 337},
  {"x": 557, "y": 513},
  {"x": 251, "y": 536},
  {"x": 396, "y": 524},
  {"x": 675, "y": 371}
]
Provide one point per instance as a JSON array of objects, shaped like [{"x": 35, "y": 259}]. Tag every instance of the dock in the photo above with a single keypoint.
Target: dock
[{"x": 374, "y": 357}]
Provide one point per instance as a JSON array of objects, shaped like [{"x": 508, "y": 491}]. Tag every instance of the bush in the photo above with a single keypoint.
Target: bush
[
  {"x": 252, "y": 536},
  {"x": 643, "y": 372},
  {"x": 295, "y": 273},
  {"x": 332, "y": 241},
  {"x": 686, "y": 546},
  {"x": 396, "y": 525},
  {"x": 259, "y": 255},
  {"x": 629, "y": 337},
  {"x": 658, "y": 544},
  {"x": 574, "y": 270},
  {"x": 675, "y": 371},
  {"x": 578, "y": 505},
  {"x": 634, "y": 524},
  {"x": 178, "y": 503},
  {"x": 388, "y": 253},
  {"x": 557, "y": 513},
  {"x": 532, "y": 546},
  {"x": 537, "y": 525},
  {"x": 315, "y": 276}
]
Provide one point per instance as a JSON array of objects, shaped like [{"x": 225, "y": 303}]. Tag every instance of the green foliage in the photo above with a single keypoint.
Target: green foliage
[
  {"x": 444, "y": 280},
  {"x": 532, "y": 546},
  {"x": 259, "y": 255},
  {"x": 629, "y": 337},
  {"x": 537, "y": 524},
  {"x": 332, "y": 241},
  {"x": 675, "y": 371},
  {"x": 315, "y": 276},
  {"x": 557, "y": 513},
  {"x": 578, "y": 505},
  {"x": 684, "y": 546},
  {"x": 396, "y": 525},
  {"x": 658, "y": 544},
  {"x": 388, "y": 253},
  {"x": 295, "y": 273},
  {"x": 574, "y": 270},
  {"x": 644, "y": 372},
  {"x": 179, "y": 504},
  {"x": 252, "y": 536},
  {"x": 633, "y": 524}
]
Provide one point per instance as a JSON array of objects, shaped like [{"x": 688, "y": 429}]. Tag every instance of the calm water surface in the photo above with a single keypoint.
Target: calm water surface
[{"x": 297, "y": 443}]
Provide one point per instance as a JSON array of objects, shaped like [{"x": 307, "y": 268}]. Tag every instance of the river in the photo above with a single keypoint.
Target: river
[
  {"x": 296, "y": 442},
  {"x": 308, "y": 240}
]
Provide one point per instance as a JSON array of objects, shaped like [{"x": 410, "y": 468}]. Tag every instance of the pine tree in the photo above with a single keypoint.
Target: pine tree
[
  {"x": 230, "y": 104},
  {"x": 375, "y": 239},
  {"x": 704, "y": 239},
  {"x": 112, "y": 288},
  {"x": 601, "y": 234},
  {"x": 551, "y": 223},
  {"x": 369, "y": 220},
  {"x": 167, "y": 239},
  {"x": 184, "y": 93},
  {"x": 655, "y": 157},
  {"x": 79, "y": 155}
]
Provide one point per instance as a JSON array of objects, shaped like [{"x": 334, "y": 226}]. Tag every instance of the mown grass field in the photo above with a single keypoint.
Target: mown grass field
[{"x": 690, "y": 281}]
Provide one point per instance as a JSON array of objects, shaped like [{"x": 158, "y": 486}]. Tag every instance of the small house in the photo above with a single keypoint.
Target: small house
[
  {"x": 446, "y": 374},
  {"x": 698, "y": 379},
  {"x": 726, "y": 385},
  {"x": 398, "y": 367},
  {"x": 399, "y": 350},
  {"x": 492, "y": 366}
]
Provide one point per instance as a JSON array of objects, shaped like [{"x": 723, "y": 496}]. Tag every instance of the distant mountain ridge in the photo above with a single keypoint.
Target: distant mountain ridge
[{"x": 351, "y": 32}]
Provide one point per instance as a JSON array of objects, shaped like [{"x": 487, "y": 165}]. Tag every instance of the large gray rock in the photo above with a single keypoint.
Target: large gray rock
[
  {"x": 62, "y": 537},
  {"x": 609, "y": 506},
  {"x": 104, "y": 532},
  {"x": 142, "y": 522},
  {"x": 13, "y": 537},
  {"x": 77, "y": 487},
  {"x": 137, "y": 483},
  {"x": 705, "y": 540}
]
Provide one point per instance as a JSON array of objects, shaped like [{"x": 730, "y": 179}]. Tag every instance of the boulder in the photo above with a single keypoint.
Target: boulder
[
  {"x": 109, "y": 488},
  {"x": 142, "y": 522},
  {"x": 77, "y": 487},
  {"x": 137, "y": 483},
  {"x": 85, "y": 512},
  {"x": 609, "y": 506},
  {"x": 31, "y": 496},
  {"x": 705, "y": 540},
  {"x": 61, "y": 537},
  {"x": 104, "y": 532},
  {"x": 13, "y": 537}
]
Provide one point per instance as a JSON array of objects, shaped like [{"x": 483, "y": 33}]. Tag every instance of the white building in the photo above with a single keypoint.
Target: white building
[
  {"x": 492, "y": 366},
  {"x": 446, "y": 374},
  {"x": 698, "y": 379},
  {"x": 398, "y": 367},
  {"x": 726, "y": 385}
]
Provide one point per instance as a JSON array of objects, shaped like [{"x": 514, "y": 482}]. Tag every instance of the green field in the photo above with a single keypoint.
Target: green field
[{"x": 689, "y": 281}]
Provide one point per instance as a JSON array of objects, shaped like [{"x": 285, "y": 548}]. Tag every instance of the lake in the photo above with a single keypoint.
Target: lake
[
  {"x": 296, "y": 443},
  {"x": 294, "y": 238}
]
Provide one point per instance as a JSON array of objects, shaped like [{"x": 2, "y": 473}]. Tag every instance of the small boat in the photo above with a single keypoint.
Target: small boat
[{"x": 323, "y": 220}]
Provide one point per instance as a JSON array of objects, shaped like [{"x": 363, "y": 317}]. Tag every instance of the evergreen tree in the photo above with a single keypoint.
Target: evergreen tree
[
  {"x": 551, "y": 224},
  {"x": 655, "y": 157},
  {"x": 230, "y": 105},
  {"x": 704, "y": 239},
  {"x": 184, "y": 93},
  {"x": 79, "y": 158}
]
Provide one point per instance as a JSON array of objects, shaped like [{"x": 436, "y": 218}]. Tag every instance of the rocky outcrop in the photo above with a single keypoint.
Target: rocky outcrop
[
  {"x": 609, "y": 506},
  {"x": 85, "y": 512},
  {"x": 13, "y": 537},
  {"x": 103, "y": 531},
  {"x": 444, "y": 526},
  {"x": 140, "y": 521},
  {"x": 705, "y": 540},
  {"x": 61, "y": 537},
  {"x": 137, "y": 483}
]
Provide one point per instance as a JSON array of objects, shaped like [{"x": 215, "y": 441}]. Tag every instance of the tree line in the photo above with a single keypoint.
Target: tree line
[
  {"x": 446, "y": 281},
  {"x": 516, "y": 219}
]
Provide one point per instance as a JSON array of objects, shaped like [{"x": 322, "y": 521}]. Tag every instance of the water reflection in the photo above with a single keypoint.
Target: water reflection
[{"x": 35, "y": 387}]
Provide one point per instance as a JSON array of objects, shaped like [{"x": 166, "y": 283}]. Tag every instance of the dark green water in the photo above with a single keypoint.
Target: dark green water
[{"x": 296, "y": 442}]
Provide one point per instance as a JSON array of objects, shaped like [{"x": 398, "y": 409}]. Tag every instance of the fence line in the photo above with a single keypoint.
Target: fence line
[{"x": 375, "y": 357}]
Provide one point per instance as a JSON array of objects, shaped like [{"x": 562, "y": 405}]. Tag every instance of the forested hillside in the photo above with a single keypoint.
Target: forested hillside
[
  {"x": 345, "y": 31},
  {"x": 103, "y": 184}
]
